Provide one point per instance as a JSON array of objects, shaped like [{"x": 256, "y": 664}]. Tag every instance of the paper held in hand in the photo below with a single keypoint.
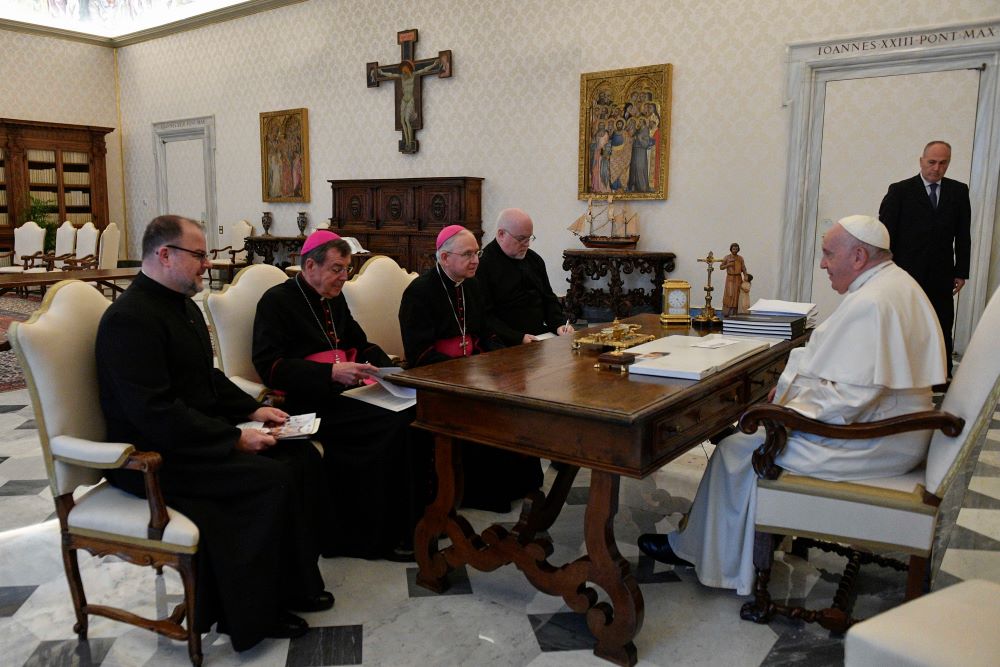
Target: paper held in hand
[
  {"x": 383, "y": 393},
  {"x": 298, "y": 426}
]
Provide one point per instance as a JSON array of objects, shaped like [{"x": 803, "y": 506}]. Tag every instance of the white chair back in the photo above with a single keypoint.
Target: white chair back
[
  {"x": 373, "y": 297},
  {"x": 55, "y": 348},
  {"x": 29, "y": 238},
  {"x": 231, "y": 313},
  {"x": 973, "y": 395},
  {"x": 238, "y": 233},
  {"x": 110, "y": 240},
  {"x": 86, "y": 240},
  {"x": 65, "y": 241}
]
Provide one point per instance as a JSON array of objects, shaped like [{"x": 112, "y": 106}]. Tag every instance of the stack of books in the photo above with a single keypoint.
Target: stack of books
[
  {"x": 770, "y": 326},
  {"x": 776, "y": 307}
]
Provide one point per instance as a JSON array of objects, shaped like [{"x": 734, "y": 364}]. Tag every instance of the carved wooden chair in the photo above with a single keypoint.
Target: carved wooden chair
[
  {"x": 86, "y": 249},
  {"x": 65, "y": 245},
  {"x": 55, "y": 348},
  {"x": 236, "y": 250},
  {"x": 857, "y": 519},
  {"x": 29, "y": 245},
  {"x": 373, "y": 296},
  {"x": 230, "y": 315},
  {"x": 107, "y": 256}
]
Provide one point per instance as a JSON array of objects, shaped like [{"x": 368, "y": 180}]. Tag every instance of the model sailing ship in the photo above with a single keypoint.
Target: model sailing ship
[{"x": 608, "y": 228}]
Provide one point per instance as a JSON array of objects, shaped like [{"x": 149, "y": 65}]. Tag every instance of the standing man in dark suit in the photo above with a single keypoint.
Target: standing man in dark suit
[{"x": 928, "y": 218}]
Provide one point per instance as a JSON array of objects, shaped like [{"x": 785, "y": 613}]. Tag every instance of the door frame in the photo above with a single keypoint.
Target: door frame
[
  {"x": 811, "y": 65},
  {"x": 188, "y": 129}
]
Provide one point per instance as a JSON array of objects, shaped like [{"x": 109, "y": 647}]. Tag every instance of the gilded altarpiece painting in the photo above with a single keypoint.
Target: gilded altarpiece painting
[
  {"x": 284, "y": 155},
  {"x": 625, "y": 133}
]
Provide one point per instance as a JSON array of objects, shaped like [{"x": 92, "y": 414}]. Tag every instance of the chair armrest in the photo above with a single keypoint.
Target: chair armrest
[
  {"x": 29, "y": 260},
  {"x": 215, "y": 253},
  {"x": 89, "y": 453},
  {"x": 235, "y": 251},
  {"x": 92, "y": 454},
  {"x": 776, "y": 419},
  {"x": 256, "y": 390},
  {"x": 86, "y": 262}
]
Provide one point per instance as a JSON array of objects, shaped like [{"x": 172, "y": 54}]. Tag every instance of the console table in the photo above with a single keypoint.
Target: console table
[
  {"x": 613, "y": 264},
  {"x": 266, "y": 246}
]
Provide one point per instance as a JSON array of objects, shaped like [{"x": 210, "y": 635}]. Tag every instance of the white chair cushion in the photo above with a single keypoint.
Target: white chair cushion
[
  {"x": 221, "y": 262},
  {"x": 869, "y": 515},
  {"x": 957, "y": 625},
  {"x": 12, "y": 269},
  {"x": 109, "y": 511}
]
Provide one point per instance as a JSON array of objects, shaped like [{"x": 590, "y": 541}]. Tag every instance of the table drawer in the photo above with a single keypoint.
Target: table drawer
[
  {"x": 723, "y": 405},
  {"x": 763, "y": 379}
]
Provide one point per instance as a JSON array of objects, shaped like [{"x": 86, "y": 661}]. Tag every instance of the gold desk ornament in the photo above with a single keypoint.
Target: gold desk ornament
[
  {"x": 676, "y": 303},
  {"x": 617, "y": 336},
  {"x": 708, "y": 318}
]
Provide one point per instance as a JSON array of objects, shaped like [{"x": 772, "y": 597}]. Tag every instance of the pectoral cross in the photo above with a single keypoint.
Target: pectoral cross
[
  {"x": 407, "y": 75},
  {"x": 465, "y": 344},
  {"x": 708, "y": 316}
]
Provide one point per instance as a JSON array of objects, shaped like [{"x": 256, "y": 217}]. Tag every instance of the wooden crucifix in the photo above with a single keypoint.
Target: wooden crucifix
[{"x": 407, "y": 75}]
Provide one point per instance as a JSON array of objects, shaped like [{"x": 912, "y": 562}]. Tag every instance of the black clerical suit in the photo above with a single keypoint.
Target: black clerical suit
[
  {"x": 160, "y": 391},
  {"x": 434, "y": 309},
  {"x": 517, "y": 295},
  {"x": 378, "y": 478},
  {"x": 931, "y": 244}
]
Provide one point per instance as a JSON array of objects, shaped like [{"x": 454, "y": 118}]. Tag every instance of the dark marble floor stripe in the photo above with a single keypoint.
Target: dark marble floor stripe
[
  {"x": 578, "y": 495},
  {"x": 944, "y": 579},
  {"x": 976, "y": 500},
  {"x": 984, "y": 469},
  {"x": 23, "y": 487},
  {"x": 30, "y": 424},
  {"x": 322, "y": 647},
  {"x": 563, "y": 631},
  {"x": 4, "y": 409},
  {"x": 806, "y": 645},
  {"x": 90, "y": 653},
  {"x": 965, "y": 538},
  {"x": 643, "y": 571},
  {"x": 12, "y": 597},
  {"x": 991, "y": 445},
  {"x": 3, "y": 458}
]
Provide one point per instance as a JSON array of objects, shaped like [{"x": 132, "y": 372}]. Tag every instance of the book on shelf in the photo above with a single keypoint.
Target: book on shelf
[
  {"x": 75, "y": 157},
  {"x": 691, "y": 357},
  {"x": 296, "y": 427},
  {"x": 36, "y": 155}
]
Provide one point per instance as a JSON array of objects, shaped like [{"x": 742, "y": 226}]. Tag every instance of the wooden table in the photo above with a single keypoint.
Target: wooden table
[
  {"x": 103, "y": 277},
  {"x": 597, "y": 265},
  {"x": 266, "y": 246},
  {"x": 546, "y": 400}
]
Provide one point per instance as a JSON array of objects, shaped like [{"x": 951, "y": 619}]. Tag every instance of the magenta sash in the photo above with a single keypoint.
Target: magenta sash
[
  {"x": 333, "y": 356},
  {"x": 452, "y": 347}
]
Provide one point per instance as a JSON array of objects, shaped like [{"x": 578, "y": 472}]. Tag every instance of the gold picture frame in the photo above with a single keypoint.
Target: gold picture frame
[
  {"x": 625, "y": 133},
  {"x": 284, "y": 155}
]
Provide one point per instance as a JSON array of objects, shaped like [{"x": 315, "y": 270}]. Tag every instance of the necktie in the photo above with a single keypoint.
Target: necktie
[{"x": 934, "y": 187}]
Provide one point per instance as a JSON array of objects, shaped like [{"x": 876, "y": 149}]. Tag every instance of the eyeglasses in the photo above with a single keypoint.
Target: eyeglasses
[
  {"x": 520, "y": 239},
  {"x": 346, "y": 270},
  {"x": 200, "y": 255},
  {"x": 469, "y": 254}
]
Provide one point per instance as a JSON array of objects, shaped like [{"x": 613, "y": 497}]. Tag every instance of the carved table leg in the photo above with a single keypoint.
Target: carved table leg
[
  {"x": 432, "y": 564},
  {"x": 617, "y": 623}
]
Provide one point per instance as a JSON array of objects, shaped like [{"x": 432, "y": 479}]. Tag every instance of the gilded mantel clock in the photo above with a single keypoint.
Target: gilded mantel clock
[{"x": 676, "y": 303}]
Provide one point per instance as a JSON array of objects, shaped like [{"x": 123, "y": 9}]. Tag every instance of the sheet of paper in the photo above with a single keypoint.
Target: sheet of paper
[
  {"x": 382, "y": 377},
  {"x": 377, "y": 394},
  {"x": 544, "y": 336}
]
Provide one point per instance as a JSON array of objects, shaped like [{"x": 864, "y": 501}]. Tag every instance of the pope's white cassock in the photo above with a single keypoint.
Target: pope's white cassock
[{"x": 877, "y": 356}]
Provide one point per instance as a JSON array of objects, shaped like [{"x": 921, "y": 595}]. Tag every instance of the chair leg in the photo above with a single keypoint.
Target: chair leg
[
  {"x": 761, "y": 610},
  {"x": 72, "y": 568},
  {"x": 187, "y": 568},
  {"x": 916, "y": 584}
]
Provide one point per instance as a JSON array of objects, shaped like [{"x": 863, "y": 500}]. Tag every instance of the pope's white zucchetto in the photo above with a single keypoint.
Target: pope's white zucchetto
[{"x": 867, "y": 229}]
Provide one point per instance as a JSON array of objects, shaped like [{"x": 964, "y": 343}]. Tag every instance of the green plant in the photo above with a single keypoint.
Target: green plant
[{"x": 39, "y": 211}]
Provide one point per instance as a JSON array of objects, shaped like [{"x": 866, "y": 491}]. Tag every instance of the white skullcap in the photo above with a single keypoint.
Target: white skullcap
[{"x": 867, "y": 229}]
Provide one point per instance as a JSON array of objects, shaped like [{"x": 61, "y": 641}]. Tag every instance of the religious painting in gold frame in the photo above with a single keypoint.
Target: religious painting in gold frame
[
  {"x": 284, "y": 155},
  {"x": 625, "y": 133}
]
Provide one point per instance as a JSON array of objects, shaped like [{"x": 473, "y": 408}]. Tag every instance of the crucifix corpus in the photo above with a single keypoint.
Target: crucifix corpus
[
  {"x": 407, "y": 75},
  {"x": 708, "y": 318}
]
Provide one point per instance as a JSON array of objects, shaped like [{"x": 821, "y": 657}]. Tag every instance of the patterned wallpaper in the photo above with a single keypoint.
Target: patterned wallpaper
[
  {"x": 510, "y": 112},
  {"x": 60, "y": 81}
]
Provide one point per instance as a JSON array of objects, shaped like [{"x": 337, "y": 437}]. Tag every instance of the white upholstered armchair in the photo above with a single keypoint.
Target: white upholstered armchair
[
  {"x": 86, "y": 248},
  {"x": 55, "y": 348},
  {"x": 866, "y": 518},
  {"x": 65, "y": 245},
  {"x": 373, "y": 297},
  {"x": 29, "y": 244}
]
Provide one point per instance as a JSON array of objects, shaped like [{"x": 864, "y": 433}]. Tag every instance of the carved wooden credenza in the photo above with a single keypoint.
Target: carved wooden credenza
[
  {"x": 401, "y": 217},
  {"x": 596, "y": 265}
]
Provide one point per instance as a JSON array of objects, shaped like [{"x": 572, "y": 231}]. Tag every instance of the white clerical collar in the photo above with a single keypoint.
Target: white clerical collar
[
  {"x": 867, "y": 275},
  {"x": 443, "y": 270}
]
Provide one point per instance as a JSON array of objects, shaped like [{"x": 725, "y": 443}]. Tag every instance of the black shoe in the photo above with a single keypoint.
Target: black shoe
[
  {"x": 319, "y": 602},
  {"x": 288, "y": 626},
  {"x": 400, "y": 555},
  {"x": 657, "y": 547}
]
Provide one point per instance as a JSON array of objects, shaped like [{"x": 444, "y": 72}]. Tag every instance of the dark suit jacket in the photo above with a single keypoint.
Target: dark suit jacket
[{"x": 931, "y": 244}]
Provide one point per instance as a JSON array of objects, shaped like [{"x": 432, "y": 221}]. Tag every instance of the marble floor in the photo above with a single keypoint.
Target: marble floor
[{"x": 383, "y": 618}]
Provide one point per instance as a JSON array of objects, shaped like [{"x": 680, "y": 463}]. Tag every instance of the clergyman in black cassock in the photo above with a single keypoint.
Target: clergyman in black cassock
[
  {"x": 378, "y": 476},
  {"x": 159, "y": 390},
  {"x": 517, "y": 295},
  {"x": 442, "y": 317}
]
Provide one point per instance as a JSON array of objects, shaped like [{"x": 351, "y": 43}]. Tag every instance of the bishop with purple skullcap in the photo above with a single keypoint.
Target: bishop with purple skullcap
[
  {"x": 447, "y": 233},
  {"x": 318, "y": 238}
]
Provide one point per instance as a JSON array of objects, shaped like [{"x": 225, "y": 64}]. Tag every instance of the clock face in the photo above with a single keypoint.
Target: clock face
[{"x": 676, "y": 298}]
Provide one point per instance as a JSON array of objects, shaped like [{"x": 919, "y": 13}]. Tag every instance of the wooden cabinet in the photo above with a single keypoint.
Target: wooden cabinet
[
  {"x": 401, "y": 217},
  {"x": 57, "y": 163}
]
